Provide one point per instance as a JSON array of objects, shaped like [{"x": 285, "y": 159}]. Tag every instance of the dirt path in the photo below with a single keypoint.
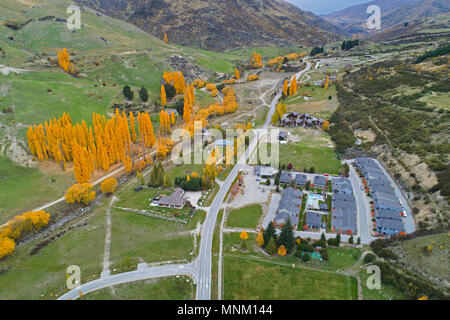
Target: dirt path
[{"x": 108, "y": 235}]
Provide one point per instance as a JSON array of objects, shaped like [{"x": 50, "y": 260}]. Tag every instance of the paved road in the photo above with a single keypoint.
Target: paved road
[{"x": 200, "y": 268}]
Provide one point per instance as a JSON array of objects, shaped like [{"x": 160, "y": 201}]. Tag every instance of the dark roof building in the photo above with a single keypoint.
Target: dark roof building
[
  {"x": 300, "y": 180},
  {"x": 320, "y": 182},
  {"x": 387, "y": 214},
  {"x": 343, "y": 220},
  {"x": 341, "y": 185},
  {"x": 343, "y": 197},
  {"x": 384, "y": 195},
  {"x": 387, "y": 204},
  {"x": 313, "y": 219},
  {"x": 285, "y": 177},
  {"x": 175, "y": 200},
  {"x": 339, "y": 204},
  {"x": 289, "y": 207},
  {"x": 389, "y": 227}
]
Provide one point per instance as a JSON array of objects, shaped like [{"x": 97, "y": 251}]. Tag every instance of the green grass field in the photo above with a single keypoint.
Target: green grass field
[
  {"x": 307, "y": 154},
  {"x": 173, "y": 288},
  {"x": 43, "y": 275},
  {"x": 247, "y": 279},
  {"x": 18, "y": 191},
  {"x": 246, "y": 217}
]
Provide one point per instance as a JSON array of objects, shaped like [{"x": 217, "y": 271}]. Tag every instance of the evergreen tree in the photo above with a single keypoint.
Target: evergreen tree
[
  {"x": 271, "y": 247},
  {"x": 350, "y": 240},
  {"x": 358, "y": 241},
  {"x": 143, "y": 94},
  {"x": 128, "y": 93},
  {"x": 338, "y": 239},
  {"x": 269, "y": 232},
  {"x": 287, "y": 236}
]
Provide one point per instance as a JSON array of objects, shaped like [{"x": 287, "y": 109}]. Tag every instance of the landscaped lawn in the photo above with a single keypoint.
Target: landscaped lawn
[
  {"x": 246, "y": 217},
  {"x": 173, "y": 288},
  {"x": 247, "y": 279}
]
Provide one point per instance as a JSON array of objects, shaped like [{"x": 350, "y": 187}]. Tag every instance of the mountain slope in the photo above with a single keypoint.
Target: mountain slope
[
  {"x": 393, "y": 13},
  {"x": 220, "y": 25}
]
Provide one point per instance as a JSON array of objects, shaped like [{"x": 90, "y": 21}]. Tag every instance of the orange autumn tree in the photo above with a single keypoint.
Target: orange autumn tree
[
  {"x": 285, "y": 88},
  {"x": 109, "y": 185},
  {"x": 31, "y": 221},
  {"x": 256, "y": 61},
  {"x": 166, "y": 40},
  {"x": 282, "y": 250},
  {"x": 236, "y": 74},
  {"x": 63, "y": 59},
  {"x": 260, "y": 239},
  {"x": 176, "y": 79},
  {"x": 244, "y": 235},
  {"x": 326, "y": 125},
  {"x": 80, "y": 192},
  {"x": 163, "y": 96},
  {"x": 327, "y": 83},
  {"x": 293, "y": 86}
]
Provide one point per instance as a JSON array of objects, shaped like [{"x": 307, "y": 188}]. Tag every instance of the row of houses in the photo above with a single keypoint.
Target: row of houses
[
  {"x": 300, "y": 180},
  {"x": 294, "y": 119},
  {"x": 343, "y": 207},
  {"x": 289, "y": 207},
  {"x": 388, "y": 210}
]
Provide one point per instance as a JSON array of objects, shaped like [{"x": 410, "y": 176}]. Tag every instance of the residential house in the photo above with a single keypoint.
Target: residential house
[
  {"x": 286, "y": 177},
  {"x": 300, "y": 180},
  {"x": 344, "y": 221},
  {"x": 320, "y": 182},
  {"x": 289, "y": 207},
  {"x": 313, "y": 219},
  {"x": 389, "y": 227},
  {"x": 342, "y": 185},
  {"x": 175, "y": 200},
  {"x": 265, "y": 171},
  {"x": 387, "y": 214}
]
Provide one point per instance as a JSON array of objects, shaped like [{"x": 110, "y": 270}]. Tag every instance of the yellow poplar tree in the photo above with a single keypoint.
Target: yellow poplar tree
[{"x": 163, "y": 96}]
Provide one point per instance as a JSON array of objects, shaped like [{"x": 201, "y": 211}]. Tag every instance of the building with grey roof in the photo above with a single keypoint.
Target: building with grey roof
[
  {"x": 265, "y": 171},
  {"x": 175, "y": 200},
  {"x": 385, "y": 189},
  {"x": 389, "y": 227},
  {"x": 289, "y": 207},
  {"x": 300, "y": 180},
  {"x": 387, "y": 204},
  {"x": 341, "y": 185},
  {"x": 343, "y": 197},
  {"x": 385, "y": 195},
  {"x": 313, "y": 219},
  {"x": 286, "y": 177},
  {"x": 320, "y": 182},
  {"x": 387, "y": 214},
  {"x": 343, "y": 221},
  {"x": 339, "y": 204}
]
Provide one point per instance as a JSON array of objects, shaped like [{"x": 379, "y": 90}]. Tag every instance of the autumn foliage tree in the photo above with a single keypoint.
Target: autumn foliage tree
[
  {"x": 14, "y": 229},
  {"x": 256, "y": 61},
  {"x": 109, "y": 185},
  {"x": 63, "y": 59},
  {"x": 80, "y": 192},
  {"x": 163, "y": 96},
  {"x": 282, "y": 250},
  {"x": 236, "y": 74},
  {"x": 176, "y": 79},
  {"x": 260, "y": 239}
]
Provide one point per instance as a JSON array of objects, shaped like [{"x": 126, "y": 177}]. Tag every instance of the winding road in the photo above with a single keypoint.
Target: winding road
[{"x": 200, "y": 268}]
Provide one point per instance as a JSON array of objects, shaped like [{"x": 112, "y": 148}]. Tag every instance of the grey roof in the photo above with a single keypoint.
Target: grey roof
[
  {"x": 342, "y": 185},
  {"x": 175, "y": 199},
  {"x": 385, "y": 189},
  {"x": 344, "y": 219},
  {"x": 383, "y": 195},
  {"x": 366, "y": 162},
  {"x": 265, "y": 171},
  {"x": 313, "y": 218},
  {"x": 323, "y": 206},
  {"x": 339, "y": 204},
  {"x": 285, "y": 177},
  {"x": 300, "y": 179},
  {"x": 390, "y": 224},
  {"x": 387, "y": 214},
  {"x": 378, "y": 182},
  {"x": 283, "y": 134},
  {"x": 393, "y": 205},
  {"x": 289, "y": 206},
  {"x": 320, "y": 181},
  {"x": 374, "y": 174},
  {"x": 343, "y": 197}
]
